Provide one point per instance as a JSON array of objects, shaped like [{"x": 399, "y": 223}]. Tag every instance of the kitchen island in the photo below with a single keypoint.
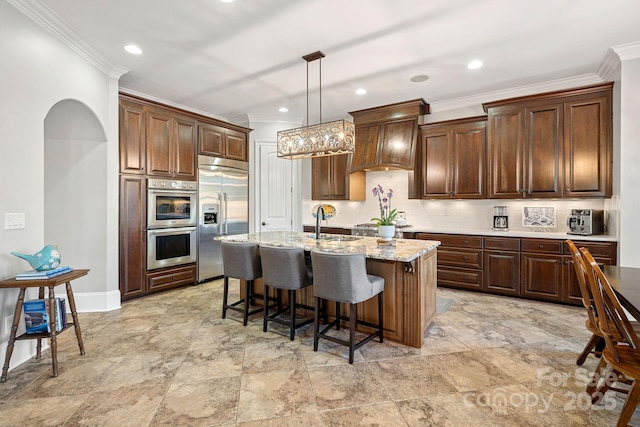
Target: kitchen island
[{"x": 408, "y": 267}]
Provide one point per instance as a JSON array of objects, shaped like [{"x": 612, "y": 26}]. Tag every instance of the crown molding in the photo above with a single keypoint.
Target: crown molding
[
  {"x": 39, "y": 13},
  {"x": 609, "y": 65},
  {"x": 627, "y": 51},
  {"x": 171, "y": 104},
  {"x": 550, "y": 86}
]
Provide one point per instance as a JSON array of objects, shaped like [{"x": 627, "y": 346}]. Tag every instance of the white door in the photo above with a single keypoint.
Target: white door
[{"x": 275, "y": 189}]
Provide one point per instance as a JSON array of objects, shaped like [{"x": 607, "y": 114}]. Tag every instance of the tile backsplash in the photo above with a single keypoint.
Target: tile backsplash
[{"x": 452, "y": 214}]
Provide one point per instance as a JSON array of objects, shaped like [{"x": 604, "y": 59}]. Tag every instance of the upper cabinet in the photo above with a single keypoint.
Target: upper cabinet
[
  {"x": 162, "y": 141},
  {"x": 218, "y": 141},
  {"x": 132, "y": 139},
  {"x": 386, "y": 137},
  {"x": 453, "y": 160},
  {"x": 170, "y": 145},
  {"x": 551, "y": 145},
  {"x": 330, "y": 180}
]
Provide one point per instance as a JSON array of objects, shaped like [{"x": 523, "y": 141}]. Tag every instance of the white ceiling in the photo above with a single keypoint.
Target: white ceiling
[{"x": 231, "y": 59}]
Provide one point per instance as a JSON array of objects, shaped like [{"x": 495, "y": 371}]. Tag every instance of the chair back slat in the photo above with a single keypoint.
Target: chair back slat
[
  {"x": 581, "y": 274},
  {"x": 612, "y": 319}
]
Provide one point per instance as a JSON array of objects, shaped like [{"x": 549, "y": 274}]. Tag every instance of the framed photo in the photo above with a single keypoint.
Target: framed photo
[{"x": 538, "y": 217}]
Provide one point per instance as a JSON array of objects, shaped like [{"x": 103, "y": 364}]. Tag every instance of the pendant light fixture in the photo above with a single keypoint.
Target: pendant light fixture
[{"x": 322, "y": 139}]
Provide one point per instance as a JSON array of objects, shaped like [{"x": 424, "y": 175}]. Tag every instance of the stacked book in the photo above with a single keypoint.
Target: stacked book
[
  {"x": 42, "y": 275},
  {"x": 36, "y": 315}
]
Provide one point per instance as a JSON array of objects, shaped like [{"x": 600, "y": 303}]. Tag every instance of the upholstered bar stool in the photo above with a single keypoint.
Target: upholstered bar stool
[
  {"x": 284, "y": 268},
  {"x": 241, "y": 260},
  {"x": 343, "y": 278}
]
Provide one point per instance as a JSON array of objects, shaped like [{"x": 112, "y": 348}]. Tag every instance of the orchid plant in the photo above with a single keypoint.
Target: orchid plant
[{"x": 387, "y": 215}]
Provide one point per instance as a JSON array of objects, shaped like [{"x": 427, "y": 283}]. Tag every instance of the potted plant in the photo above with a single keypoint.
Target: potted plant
[{"x": 385, "y": 223}]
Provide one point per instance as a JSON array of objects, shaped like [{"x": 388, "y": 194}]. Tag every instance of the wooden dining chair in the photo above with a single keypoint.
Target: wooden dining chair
[
  {"x": 596, "y": 342},
  {"x": 622, "y": 345}
]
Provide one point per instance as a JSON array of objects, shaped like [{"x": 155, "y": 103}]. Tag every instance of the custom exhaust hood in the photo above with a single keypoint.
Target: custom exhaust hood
[{"x": 387, "y": 136}]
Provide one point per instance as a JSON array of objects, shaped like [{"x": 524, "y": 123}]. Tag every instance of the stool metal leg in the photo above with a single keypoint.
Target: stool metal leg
[
  {"x": 380, "y": 318},
  {"x": 316, "y": 324},
  {"x": 248, "y": 286},
  {"x": 292, "y": 309},
  {"x": 353, "y": 316},
  {"x": 225, "y": 297},
  {"x": 265, "y": 312}
]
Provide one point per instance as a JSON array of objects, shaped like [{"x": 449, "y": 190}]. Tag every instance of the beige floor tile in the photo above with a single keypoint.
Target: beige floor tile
[
  {"x": 384, "y": 414},
  {"x": 45, "y": 411},
  {"x": 209, "y": 363},
  {"x": 448, "y": 410},
  {"x": 412, "y": 377},
  {"x": 143, "y": 370}
]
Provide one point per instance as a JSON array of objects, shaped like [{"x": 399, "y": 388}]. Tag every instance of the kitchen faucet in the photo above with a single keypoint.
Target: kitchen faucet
[{"x": 320, "y": 208}]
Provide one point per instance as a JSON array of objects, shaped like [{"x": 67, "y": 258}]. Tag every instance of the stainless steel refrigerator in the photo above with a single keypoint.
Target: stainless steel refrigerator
[{"x": 223, "y": 209}]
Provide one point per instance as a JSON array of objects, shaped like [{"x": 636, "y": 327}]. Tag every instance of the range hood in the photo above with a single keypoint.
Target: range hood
[{"x": 387, "y": 136}]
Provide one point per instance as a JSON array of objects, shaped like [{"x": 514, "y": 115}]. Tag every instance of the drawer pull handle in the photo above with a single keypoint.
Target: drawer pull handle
[
  {"x": 466, "y": 242},
  {"x": 466, "y": 257},
  {"x": 541, "y": 246}
]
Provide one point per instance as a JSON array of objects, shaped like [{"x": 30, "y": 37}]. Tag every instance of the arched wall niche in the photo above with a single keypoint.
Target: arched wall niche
[{"x": 75, "y": 184}]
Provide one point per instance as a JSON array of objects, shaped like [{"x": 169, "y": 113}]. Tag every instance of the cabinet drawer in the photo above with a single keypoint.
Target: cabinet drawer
[
  {"x": 502, "y": 243},
  {"x": 608, "y": 249},
  {"x": 460, "y": 278},
  {"x": 172, "y": 277},
  {"x": 462, "y": 258},
  {"x": 456, "y": 240},
  {"x": 542, "y": 245}
]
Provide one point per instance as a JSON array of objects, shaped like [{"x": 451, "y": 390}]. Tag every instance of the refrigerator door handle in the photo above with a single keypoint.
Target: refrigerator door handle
[{"x": 226, "y": 224}]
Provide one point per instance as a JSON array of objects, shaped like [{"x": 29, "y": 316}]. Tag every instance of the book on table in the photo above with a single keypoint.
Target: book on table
[
  {"x": 42, "y": 275},
  {"x": 36, "y": 315}
]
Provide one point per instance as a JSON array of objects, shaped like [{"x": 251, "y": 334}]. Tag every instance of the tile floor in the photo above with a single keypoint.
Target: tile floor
[{"x": 170, "y": 360}]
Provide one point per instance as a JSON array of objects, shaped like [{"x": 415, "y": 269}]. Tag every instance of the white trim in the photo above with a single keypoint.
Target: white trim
[
  {"x": 473, "y": 100},
  {"x": 39, "y": 13},
  {"x": 171, "y": 104},
  {"x": 609, "y": 64},
  {"x": 91, "y": 302},
  {"x": 627, "y": 51}
]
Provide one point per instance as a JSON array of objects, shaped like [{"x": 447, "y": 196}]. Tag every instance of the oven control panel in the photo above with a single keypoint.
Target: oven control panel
[{"x": 170, "y": 184}]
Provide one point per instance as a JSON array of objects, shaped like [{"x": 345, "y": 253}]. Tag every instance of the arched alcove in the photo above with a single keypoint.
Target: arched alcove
[{"x": 75, "y": 184}]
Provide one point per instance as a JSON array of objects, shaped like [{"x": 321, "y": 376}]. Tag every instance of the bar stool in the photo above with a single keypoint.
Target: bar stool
[
  {"x": 284, "y": 268},
  {"x": 343, "y": 278},
  {"x": 241, "y": 260}
]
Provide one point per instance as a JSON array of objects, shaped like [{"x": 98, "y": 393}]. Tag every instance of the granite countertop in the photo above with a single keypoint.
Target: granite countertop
[{"x": 405, "y": 250}]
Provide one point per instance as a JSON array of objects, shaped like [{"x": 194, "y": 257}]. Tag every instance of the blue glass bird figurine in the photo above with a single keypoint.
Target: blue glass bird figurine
[{"x": 45, "y": 259}]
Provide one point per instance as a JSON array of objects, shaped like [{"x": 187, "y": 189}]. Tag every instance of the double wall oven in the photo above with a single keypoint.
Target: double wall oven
[{"x": 171, "y": 223}]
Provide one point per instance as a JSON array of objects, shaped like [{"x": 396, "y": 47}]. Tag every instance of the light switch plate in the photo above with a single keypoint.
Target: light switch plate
[{"x": 14, "y": 221}]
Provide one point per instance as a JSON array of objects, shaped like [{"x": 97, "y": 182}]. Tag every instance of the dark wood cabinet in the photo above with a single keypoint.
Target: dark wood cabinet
[
  {"x": 132, "y": 238},
  {"x": 460, "y": 260},
  {"x": 217, "y": 141},
  {"x": 132, "y": 143},
  {"x": 587, "y": 146},
  {"x": 170, "y": 145},
  {"x": 386, "y": 136},
  {"x": 453, "y": 159},
  {"x": 539, "y": 269},
  {"x": 168, "y": 278},
  {"x": 330, "y": 180},
  {"x": 556, "y": 144},
  {"x": 502, "y": 265}
]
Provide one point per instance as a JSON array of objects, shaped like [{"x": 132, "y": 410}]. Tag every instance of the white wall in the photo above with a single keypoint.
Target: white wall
[
  {"x": 629, "y": 160},
  {"x": 37, "y": 72}
]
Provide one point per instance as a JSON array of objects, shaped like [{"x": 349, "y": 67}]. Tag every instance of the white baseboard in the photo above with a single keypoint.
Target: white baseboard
[{"x": 87, "y": 302}]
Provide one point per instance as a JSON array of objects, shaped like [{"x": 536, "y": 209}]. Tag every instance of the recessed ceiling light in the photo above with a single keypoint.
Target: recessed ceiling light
[
  {"x": 475, "y": 64},
  {"x": 419, "y": 78},
  {"x": 283, "y": 109},
  {"x": 226, "y": 1},
  {"x": 361, "y": 91},
  {"x": 133, "y": 49}
]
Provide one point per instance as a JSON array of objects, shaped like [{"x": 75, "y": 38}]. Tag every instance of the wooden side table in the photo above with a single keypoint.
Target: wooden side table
[{"x": 51, "y": 284}]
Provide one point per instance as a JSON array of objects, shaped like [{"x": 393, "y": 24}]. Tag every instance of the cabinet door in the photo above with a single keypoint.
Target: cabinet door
[
  {"x": 159, "y": 128},
  {"x": 467, "y": 171},
  {"x": 571, "y": 289},
  {"x": 235, "y": 145},
  {"x": 132, "y": 138},
  {"x": 541, "y": 276},
  {"x": 502, "y": 272},
  {"x": 366, "y": 147},
  {"x": 543, "y": 173},
  {"x": 506, "y": 151},
  {"x": 184, "y": 152},
  {"x": 132, "y": 238},
  {"x": 587, "y": 147},
  {"x": 211, "y": 140},
  {"x": 397, "y": 145},
  {"x": 321, "y": 178},
  {"x": 436, "y": 160}
]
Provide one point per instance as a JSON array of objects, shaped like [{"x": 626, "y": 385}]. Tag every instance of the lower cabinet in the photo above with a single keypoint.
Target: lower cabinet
[
  {"x": 540, "y": 269},
  {"x": 133, "y": 243},
  {"x": 166, "y": 278}
]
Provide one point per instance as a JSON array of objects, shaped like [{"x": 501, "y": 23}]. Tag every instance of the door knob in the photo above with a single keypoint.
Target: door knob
[{"x": 264, "y": 223}]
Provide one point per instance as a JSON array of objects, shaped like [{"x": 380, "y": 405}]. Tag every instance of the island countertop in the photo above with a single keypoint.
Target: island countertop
[{"x": 404, "y": 250}]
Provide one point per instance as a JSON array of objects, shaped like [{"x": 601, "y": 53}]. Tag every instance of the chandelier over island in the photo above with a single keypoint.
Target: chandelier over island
[{"x": 322, "y": 139}]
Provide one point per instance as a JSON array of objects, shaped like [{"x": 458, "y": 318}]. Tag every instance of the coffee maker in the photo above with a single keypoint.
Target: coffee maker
[
  {"x": 586, "y": 222},
  {"x": 500, "y": 218}
]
